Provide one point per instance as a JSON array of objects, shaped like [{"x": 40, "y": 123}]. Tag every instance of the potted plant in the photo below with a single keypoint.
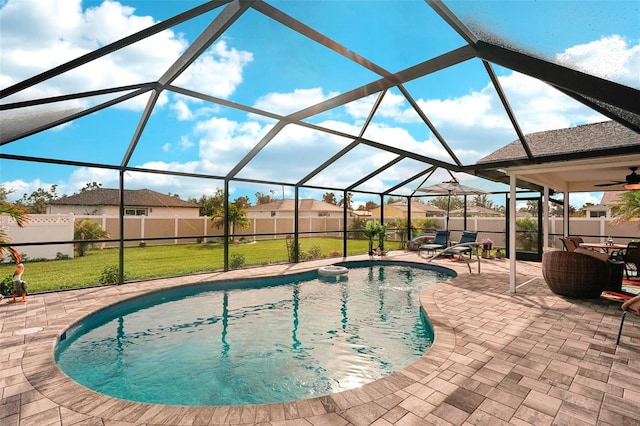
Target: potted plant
[
  {"x": 370, "y": 231},
  {"x": 382, "y": 234},
  {"x": 487, "y": 245}
]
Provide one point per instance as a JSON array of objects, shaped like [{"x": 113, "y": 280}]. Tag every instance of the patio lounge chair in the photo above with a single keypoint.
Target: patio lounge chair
[
  {"x": 631, "y": 259},
  {"x": 439, "y": 242},
  {"x": 632, "y": 304},
  {"x": 415, "y": 243},
  {"x": 467, "y": 237},
  {"x": 571, "y": 243}
]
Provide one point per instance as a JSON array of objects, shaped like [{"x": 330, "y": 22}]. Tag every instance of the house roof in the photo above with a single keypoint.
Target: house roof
[
  {"x": 562, "y": 166},
  {"x": 304, "y": 205},
  {"x": 584, "y": 138},
  {"x": 610, "y": 198},
  {"x": 132, "y": 197},
  {"x": 416, "y": 206},
  {"x": 477, "y": 210}
]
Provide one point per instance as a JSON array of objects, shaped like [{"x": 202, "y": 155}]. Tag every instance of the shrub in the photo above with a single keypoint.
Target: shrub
[
  {"x": 6, "y": 286},
  {"x": 291, "y": 249},
  {"x": 527, "y": 233},
  {"x": 62, "y": 256},
  {"x": 315, "y": 252},
  {"x": 86, "y": 231},
  {"x": 334, "y": 253},
  {"x": 237, "y": 261},
  {"x": 111, "y": 275},
  {"x": 359, "y": 223}
]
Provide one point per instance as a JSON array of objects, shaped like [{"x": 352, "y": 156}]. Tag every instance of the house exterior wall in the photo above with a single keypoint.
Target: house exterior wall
[
  {"x": 390, "y": 212},
  {"x": 289, "y": 214},
  {"x": 156, "y": 211}
]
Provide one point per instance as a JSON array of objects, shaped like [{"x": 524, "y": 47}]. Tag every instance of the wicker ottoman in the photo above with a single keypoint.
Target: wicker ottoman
[{"x": 575, "y": 275}]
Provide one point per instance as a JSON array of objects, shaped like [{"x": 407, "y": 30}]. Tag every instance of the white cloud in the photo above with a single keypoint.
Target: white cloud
[
  {"x": 36, "y": 36},
  {"x": 579, "y": 199},
  {"x": 182, "y": 110},
  {"x": 217, "y": 72},
  {"x": 166, "y": 147},
  {"x": 185, "y": 143},
  {"x": 613, "y": 57},
  {"x": 286, "y": 103},
  {"x": 223, "y": 142}
]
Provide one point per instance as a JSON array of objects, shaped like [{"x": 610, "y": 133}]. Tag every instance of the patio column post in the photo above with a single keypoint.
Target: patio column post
[
  {"x": 512, "y": 233},
  {"x": 565, "y": 215},
  {"x": 545, "y": 219}
]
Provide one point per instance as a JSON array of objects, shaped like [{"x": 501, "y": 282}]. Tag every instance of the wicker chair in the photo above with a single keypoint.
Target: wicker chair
[{"x": 579, "y": 275}]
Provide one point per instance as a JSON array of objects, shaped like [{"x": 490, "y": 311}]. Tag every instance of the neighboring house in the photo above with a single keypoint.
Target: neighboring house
[
  {"x": 610, "y": 200},
  {"x": 137, "y": 202},
  {"x": 476, "y": 211},
  {"x": 285, "y": 209},
  {"x": 400, "y": 210},
  {"x": 362, "y": 213}
]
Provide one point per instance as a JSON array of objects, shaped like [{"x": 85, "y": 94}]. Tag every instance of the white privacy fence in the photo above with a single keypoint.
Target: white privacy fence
[
  {"x": 39, "y": 229},
  {"x": 176, "y": 230}
]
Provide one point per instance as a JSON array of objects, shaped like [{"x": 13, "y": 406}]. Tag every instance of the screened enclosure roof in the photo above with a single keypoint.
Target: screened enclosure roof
[{"x": 374, "y": 97}]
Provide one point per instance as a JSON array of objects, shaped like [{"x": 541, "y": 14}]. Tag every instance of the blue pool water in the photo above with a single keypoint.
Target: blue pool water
[{"x": 254, "y": 341}]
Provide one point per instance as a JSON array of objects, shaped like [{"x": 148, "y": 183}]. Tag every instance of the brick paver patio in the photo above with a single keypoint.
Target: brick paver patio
[{"x": 530, "y": 358}]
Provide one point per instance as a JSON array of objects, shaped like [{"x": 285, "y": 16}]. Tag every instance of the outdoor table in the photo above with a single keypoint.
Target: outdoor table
[{"x": 603, "y": 246}]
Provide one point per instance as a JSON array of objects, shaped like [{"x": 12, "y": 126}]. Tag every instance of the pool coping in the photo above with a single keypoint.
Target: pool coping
[{"x": 42, "y": 372}]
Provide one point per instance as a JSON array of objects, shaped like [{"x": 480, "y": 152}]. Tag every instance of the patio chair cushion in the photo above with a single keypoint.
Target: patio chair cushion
[
  {"x": 579, "y": 275},
  {"x": 439, "y": 242},
  {"x": 603, "y": 257}
]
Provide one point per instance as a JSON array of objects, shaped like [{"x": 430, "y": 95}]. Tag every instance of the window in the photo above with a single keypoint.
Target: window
[
  {"x": 323, "y": 214},
  {"x": 135, "y": 212}
]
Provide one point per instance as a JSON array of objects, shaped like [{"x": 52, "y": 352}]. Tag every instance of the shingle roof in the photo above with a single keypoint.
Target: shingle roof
[
  {"x": 416, "y": 206},
  {"x": 132, "y": 197},
  {"x": 584, "y": 138},
  {"x": 610, "y": 197},
  {"x": 478, "y": 210},
  {"x": 288, "y": 205}
]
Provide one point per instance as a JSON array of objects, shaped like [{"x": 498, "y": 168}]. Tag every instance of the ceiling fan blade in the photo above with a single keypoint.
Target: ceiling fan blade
[{"x": 611, "y": 183}]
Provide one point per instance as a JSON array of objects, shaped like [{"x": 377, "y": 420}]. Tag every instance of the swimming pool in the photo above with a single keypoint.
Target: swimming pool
[{"x": 255, "y": 341}]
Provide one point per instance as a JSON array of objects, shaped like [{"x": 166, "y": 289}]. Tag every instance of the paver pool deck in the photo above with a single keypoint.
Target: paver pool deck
[{"x": 529, "y": 358}]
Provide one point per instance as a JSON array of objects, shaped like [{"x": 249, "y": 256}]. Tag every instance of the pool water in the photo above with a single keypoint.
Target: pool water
[{"x": 255, "y": 341}]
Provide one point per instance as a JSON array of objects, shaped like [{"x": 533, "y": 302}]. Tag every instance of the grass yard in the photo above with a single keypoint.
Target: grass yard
[{"x": 143, "y": 263}]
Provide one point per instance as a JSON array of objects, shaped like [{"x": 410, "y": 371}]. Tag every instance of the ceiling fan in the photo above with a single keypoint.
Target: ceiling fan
[{"x": 632, "y": 180}]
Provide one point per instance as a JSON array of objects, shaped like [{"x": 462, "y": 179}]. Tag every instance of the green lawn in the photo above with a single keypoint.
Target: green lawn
[{"x": 143, "y": 263}]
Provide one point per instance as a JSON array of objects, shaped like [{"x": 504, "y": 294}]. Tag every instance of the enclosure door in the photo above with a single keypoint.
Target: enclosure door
[{"x": 528, "y": 230}]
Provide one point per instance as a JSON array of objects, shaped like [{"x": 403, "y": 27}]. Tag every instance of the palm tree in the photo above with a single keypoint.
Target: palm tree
[
  {"x": 370, "y": 231},
  {"x": 21, "y": 217},
  {"x": 86, "y": 231},
  {"x": 629, "y": 207},
  {"x": 237, "y": 219}
]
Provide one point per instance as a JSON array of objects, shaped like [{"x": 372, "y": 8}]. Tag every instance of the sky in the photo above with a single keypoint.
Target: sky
[{"x": 269, "y": 67}]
